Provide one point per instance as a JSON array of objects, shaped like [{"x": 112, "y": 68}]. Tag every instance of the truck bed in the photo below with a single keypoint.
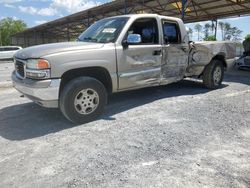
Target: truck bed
[{"x": 202, "y": 53}]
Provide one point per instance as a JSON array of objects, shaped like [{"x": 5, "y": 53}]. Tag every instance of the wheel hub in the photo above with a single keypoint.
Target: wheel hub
[
  {"x": 86, "y": 101},
  {"x": 217, "y": 75}
]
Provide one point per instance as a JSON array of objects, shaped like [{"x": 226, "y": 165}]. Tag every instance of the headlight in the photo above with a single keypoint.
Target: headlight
[
  {"x": 37, "y": 64},
  {"x": 37, "y": 69}
]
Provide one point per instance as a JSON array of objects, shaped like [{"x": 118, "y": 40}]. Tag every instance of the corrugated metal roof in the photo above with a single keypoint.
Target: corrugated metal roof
[{"x": 195, "y": 10}]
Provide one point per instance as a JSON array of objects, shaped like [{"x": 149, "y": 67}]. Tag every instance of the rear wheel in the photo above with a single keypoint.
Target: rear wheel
[
  {"x": 83, "y": 99},
  {"x": 213, "y": 74}
]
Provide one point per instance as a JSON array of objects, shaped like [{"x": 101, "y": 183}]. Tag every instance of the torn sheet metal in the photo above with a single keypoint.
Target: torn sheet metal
[
  {"x": 174, "y": 63},
  {"x": 138, "y": 66},
  {"x": 203, "y": 52}
]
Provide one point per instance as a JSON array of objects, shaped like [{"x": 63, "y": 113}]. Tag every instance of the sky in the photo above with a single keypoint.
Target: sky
[
  {"x": 242, "y": 23},
  {"x": 35, "y": 12}
]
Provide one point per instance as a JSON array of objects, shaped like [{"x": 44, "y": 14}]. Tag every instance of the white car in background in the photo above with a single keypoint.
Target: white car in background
[
  {"x": 243, "y": 62},
  {"x": 7, "y": 52}
]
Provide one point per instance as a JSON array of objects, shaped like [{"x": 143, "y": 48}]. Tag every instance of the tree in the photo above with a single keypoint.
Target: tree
[
  {"x": 232, "y": 33},
  {"x": 198, "y": 28},
  {"x": 246, "y": 45},
  {"x": 190, "y": 33},
  {"x": 222, "y": 26},
  {"x": 210, "y": 38},
  {"x": 207, "y": 29},
  {"x": 213, "y": 26},
  {"x": 235, "y": 34},
  {"x": 229, "y": 33},
  {"x": 8, "y": 27},
  {"x": 247, "y": 36},
  {"x": 227, "y": 27}
]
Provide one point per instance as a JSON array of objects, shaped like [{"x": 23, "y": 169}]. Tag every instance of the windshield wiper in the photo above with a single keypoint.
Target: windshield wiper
[{"x": 90, "y": 39}]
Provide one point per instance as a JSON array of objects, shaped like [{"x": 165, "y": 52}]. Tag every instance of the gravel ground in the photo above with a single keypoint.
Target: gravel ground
[
  {"x": 180, "y": 135},
  {"x": 6, "y": 67}
]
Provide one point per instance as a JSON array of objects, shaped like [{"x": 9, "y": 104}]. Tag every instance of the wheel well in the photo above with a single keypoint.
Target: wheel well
[
  {"x": 219, "y": 57},
  {"x": 98, "y": 73},
  {"x": 222, "y": 59}
]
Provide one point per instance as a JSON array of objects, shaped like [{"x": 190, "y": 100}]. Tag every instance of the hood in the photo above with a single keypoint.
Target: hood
[{"x": 46, "y": 49}]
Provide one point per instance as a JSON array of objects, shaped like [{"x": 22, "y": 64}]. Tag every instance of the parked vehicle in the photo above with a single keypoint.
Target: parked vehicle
[
  {"x": 244, "y": 61},
  {"x": 7, "y": 52},
  {"x": 115, "y": 54}
]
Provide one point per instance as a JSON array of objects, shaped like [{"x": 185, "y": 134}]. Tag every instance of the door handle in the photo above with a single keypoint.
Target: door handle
[{"x": 157, "y": 52}]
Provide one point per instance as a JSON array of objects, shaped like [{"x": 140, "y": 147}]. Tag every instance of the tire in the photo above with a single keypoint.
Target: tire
[
  {"x": 83, "y": 99},
  {"x": 213, "y": 74}
]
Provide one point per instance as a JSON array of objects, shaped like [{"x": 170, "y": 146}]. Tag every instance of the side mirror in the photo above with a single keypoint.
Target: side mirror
[{"x": 134, "y": 39}]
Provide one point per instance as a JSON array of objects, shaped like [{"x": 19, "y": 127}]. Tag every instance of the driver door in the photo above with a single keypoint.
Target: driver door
[{"x": 139, "y": 65}]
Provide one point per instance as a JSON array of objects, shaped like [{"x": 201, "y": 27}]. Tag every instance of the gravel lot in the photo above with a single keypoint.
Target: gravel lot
[
  {"x": 180, "y": 135},
  {"x": 6, "y": 68}
]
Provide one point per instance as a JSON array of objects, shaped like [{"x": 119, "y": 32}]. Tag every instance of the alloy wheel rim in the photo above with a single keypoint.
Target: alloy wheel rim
[
  {"x": 86, "y": 101},
  {"x": 217, "y": 75}
]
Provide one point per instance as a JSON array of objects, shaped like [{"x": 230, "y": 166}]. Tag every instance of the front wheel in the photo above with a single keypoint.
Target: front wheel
[
  {"x": 83, "y": 100},
  {"x": 213, "y": 74}
]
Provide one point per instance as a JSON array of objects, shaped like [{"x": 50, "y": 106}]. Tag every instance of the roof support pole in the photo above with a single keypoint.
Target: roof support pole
[
  {"x": 43, "y": 41},
  {"x": 1, "y": 43},
  {"x": 216, "y": 26},
  {"x": 35, "y": 37},
  {"x": 183, "y": 7},
  {"x": 24, "y": 41},
  {"x": 68, "y": 37},
  {"x": 28, "y": 40},
  {"x": 88, "y": 24},
  {"x": 125, "y": 7}
]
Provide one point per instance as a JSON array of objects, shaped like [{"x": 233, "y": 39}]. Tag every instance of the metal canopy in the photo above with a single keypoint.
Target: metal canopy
[{"x": 69, "y": 27}]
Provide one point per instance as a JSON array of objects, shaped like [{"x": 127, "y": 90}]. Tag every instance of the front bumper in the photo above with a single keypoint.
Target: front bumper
[{"x": 42, "y": 92}]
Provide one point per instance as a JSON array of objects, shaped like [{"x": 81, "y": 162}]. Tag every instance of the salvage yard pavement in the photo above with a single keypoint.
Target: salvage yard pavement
[
  {"x": 179, "y": 135},
  {"x": 6, "y": 68}
]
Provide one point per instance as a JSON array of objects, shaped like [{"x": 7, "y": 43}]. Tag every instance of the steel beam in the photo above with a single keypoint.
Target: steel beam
[{"x": 183, "y": 9}]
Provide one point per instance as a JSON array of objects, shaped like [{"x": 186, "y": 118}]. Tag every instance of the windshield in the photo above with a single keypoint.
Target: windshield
[{"x": 104, "y": 31}]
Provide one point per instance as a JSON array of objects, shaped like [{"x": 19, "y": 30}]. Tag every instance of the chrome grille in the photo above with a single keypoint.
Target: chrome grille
[{"x": 20, "y": 68}]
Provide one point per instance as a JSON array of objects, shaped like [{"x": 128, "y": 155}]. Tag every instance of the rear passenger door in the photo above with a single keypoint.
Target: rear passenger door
[{"x": 175, "y": 53}]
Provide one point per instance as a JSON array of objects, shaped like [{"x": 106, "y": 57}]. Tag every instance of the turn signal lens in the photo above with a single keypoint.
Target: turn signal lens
[{"x": 43, "y": 64}]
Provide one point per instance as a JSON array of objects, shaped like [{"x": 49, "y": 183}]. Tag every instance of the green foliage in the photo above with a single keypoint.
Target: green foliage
[
  {"x": 210, "y": 38},
  {"x": 198, "y": 28},
  {"x": 190, "y": 33},
  {"x": 247, "y": 37},
  {"x": 229, "y": 33},
  {"x": 246, "y": 44},
  {"x": 207, "y": 29},
  {"x": 8, "y": 27}
]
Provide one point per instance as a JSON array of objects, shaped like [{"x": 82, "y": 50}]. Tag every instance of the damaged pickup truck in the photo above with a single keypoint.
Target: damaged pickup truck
[{"x": 115, "y": 54}]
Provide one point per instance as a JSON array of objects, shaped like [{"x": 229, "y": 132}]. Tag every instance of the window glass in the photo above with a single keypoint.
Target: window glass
[
  {"x": 104, "y": 31},
  {"x": 9, "y": 49},
  {"x": 171, "y": 32},
  {"x": 147, "y": 28}
]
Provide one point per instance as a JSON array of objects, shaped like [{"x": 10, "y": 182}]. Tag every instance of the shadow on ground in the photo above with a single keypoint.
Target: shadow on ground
[
  {"x": 29, "y": 120},
  {"x": 237, "y": 76},
  {"x": 26, "y": 121}
]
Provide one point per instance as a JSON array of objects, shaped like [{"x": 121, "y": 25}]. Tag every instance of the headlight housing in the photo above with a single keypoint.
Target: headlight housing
[{"x": 37, "y": 69}]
